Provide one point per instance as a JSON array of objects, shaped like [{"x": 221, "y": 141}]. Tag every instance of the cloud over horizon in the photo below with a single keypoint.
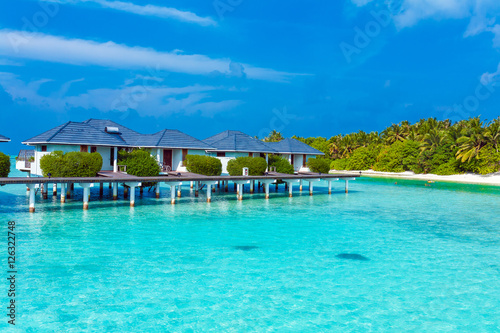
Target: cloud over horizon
[
  {"x": 146, "y": 95},
  {"x": 147, "y": 10},
  {"x": 37, "y": 46}
]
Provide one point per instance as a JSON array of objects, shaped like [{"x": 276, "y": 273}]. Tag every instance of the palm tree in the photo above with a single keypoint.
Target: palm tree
[
  {"x": 274, "y": 136},
  {"x": 393, "y": 134},
  {"x": 469, "y": 146},
  {"x": 433, "y": 139},
  {"x": 492, "y": 133}
]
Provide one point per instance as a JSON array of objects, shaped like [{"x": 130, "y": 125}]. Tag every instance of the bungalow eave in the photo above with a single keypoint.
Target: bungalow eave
[
  {"x": 74, "y": 144},
  {"x": 299, "y": 153},
  {"x": 240, "y": 151}
]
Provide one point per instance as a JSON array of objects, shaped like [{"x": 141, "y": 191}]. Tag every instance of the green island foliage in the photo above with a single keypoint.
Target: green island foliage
[
  {"x": 139, "y": 163},
  {"x": 4, "y": 165},
  {"x": 72, "y": 164},
  {"x": 282, "y": 164},
  {"x": 203, "y": 165},
  {"x": 321, "y": 165},
  {"x": 427, "y": 146},
  {"x": 256, "y": 166}
]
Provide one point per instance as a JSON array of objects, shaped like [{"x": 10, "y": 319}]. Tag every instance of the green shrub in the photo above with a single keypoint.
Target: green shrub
[
  {"x": 140, "y": 163},
  {"x": 282, "y": 164},
  {"x": 362, "y": 159},
  {"x": 410, "y": 155},
  {"x": 340, "y": 164},
  {"x": 321, "y": 165},
  {"x": 448, "y": 168},
  {"x": 488, "y": 160},
  {"x": 4, "y": 165},
  {"x": 72, "y": 164},
  {"x": 390, "y": 158},
  {"x": 256, "y": 166},
  {"x": 53, "y": 163},
  {"x": 203, "y": 165}
]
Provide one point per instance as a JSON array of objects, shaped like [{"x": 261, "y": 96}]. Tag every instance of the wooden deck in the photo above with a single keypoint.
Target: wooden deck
[{"x": 120, "y": 177}]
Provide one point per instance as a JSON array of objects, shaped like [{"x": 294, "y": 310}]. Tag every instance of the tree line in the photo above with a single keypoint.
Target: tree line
[{"x": 427, "y": 146}]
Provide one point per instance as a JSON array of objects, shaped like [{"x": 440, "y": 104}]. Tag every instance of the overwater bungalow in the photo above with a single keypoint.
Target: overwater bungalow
[
  {"x": 170, "y": 147},
  {"x": 228, "y": 145},
  {"x": 106, "y": 137},
  {"x": 4, "y": 138},
  {"x": 296, "y": 152}
]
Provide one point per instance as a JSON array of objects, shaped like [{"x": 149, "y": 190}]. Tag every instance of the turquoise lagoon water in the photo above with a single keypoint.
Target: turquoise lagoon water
[{"x": 433, "y": 261}]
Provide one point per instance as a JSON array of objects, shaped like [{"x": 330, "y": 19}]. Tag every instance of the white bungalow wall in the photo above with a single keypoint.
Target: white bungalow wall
[{"x": 35, "y": 167}]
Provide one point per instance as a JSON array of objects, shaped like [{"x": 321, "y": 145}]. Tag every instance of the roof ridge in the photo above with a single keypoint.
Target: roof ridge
[
  {"x": 104, "y": 132},
  {"x": 59, "y": 130},
  {"x": 162, "y": 135}
]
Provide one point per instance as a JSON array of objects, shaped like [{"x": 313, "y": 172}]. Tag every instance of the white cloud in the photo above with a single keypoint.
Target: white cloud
[
  {"x": 148, "y": 10},
  {"x": 147, "y": 100},
  {"x": 81, "y": 52},
  {"x": 482, "y": 14},
  {"x": 412, "y": 11}
]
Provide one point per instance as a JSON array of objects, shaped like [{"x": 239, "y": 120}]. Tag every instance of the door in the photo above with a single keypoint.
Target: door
[
  {"x": 184, "y": 154},
  {"x": 304, "y": 161},
  {"x": 167, "y": 158}
]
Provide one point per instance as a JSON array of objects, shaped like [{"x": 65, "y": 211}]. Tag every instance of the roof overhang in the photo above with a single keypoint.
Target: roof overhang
[
  {"x": 74, "y": 144},
  {"x": 296, "y": 153},
  {"x": 240, "y": 151}
]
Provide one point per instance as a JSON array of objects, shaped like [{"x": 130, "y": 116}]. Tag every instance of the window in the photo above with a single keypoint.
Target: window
[
  {"x": 250, "y": 154},
  {"x": 84, "y": 149},
  {"x": 44, "y": 148},
  {"x": 93, "y": 149},
  {"x": 221, "y": 154}
]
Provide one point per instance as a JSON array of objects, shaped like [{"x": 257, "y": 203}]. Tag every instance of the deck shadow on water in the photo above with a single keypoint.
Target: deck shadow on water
[
  {"x": 352, "y": 256},
  {"x": 245, "y": 247}
]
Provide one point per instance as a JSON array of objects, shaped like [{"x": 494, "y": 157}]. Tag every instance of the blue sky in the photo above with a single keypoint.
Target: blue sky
[{"x": 304, "y": 68}]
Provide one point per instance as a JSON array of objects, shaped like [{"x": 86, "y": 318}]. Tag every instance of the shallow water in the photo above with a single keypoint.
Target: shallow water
[{"x": 432, "y": 260}]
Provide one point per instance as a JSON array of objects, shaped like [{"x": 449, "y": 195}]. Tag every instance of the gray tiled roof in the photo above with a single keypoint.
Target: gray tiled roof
[
  {"x": 171, "y": 139},
  {"x": 77, "y": 133},
  {"x": 93, "y": 132},
  {"x": 165, "y": 138},
  {"x": 237, "y": 141},
  {"x": 293, "y": 146},
  {"x": 4, "y": 138},
  {"x": 126, "y": 134}
]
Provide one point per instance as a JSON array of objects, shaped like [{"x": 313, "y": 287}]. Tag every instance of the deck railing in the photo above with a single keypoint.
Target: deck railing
[{"x": 26, "y": 155}]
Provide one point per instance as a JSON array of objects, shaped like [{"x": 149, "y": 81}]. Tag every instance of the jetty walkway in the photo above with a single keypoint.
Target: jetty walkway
[{"x": 172, "y": 179}]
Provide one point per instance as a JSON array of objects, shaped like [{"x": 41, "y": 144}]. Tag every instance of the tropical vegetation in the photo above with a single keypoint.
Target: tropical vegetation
[
  {"x": 72, "y": 164},
  {"x": 203, "y": 165},
  {"x": 427, "y": 146},
  {"x": 281, "y": 164},
  {"x": 4, "y": 165},
  {"x": 256, "y": 166},
  {"x": 320, "y": 165},
  {"x": 139, "y": 162}
]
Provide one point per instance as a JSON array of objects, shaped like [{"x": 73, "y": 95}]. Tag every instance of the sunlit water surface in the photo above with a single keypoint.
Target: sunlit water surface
[{"x": 385, "y": 257}]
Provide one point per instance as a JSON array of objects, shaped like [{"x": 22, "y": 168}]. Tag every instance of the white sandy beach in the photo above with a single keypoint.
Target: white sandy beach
[{"x": 468, "y": 178}]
